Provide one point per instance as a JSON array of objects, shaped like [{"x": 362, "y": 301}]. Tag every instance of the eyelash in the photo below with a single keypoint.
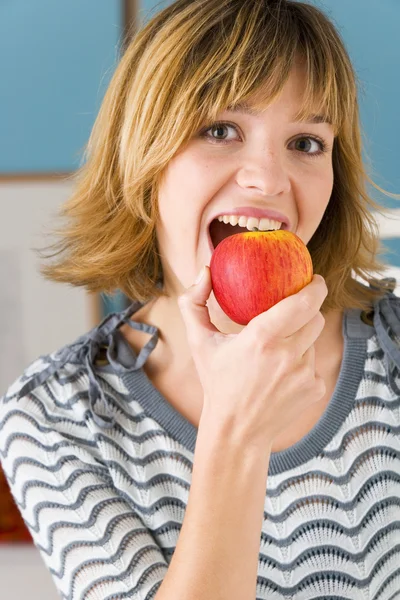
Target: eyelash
[{"x": 322, "y": 144}]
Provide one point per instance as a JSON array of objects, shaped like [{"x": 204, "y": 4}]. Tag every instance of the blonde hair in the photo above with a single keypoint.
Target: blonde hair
[{"x": 189, "y": 62}]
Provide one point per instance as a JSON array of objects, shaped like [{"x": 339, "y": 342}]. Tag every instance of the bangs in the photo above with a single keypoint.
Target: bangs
[{"x": 256, "y": 60}]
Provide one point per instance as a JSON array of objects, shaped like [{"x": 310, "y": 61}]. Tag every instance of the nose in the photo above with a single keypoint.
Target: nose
[{"x": 265, "y": 174}]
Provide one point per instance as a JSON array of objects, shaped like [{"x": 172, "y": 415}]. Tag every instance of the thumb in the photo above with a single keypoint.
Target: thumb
[{"x": 192, "y": 304}]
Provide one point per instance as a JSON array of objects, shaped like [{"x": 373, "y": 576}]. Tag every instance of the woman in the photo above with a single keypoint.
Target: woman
[{"x": 212, "y": 460}]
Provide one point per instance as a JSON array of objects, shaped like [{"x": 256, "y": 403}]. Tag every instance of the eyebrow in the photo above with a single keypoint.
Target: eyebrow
[{"x": 243, "y": 107}]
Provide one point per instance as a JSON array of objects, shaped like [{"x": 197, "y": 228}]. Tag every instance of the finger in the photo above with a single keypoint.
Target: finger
[
  {"x": 308, "y": 359},
  {"x": 192, "y": 304},
  {"x": 292, "y": 313},
  {"x": 305, "y": 338}
]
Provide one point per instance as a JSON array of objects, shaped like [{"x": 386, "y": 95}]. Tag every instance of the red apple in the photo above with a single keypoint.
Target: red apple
[{"x": 252, "y": 271}]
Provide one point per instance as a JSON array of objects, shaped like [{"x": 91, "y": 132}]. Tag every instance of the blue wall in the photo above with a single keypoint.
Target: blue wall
[
  {"x": 56, "y": 59},
  {"x": 370, "y": 29}
]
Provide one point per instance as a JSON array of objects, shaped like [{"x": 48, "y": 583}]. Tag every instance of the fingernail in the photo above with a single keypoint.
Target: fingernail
[{"x": 200, "y": 276}]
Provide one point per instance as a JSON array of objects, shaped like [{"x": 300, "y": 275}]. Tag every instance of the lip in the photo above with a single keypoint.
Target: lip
[{"x": 250, "y": 211}]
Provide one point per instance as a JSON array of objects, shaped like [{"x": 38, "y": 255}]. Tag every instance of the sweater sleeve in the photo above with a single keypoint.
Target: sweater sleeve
[{"x": 94, "y": 544}]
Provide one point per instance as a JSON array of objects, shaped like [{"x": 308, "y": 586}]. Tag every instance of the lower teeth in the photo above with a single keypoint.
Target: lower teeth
[{"x": 256, "y": 229}]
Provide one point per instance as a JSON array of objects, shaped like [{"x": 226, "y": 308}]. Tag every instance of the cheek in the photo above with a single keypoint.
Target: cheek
[
  {"x": 320, "y": 185},
  {"x": 313, "y": 194},
  {"x": 173, "y": 190},
  {"x": 181, "y": 196},
  {"x": 187, "y": 185},
  {"x": 185, "y": 171},
  {"x": 328, "y": 185}
]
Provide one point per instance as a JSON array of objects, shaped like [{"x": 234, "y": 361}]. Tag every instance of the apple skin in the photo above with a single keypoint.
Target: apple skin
[{"x": 254, "y": 270}]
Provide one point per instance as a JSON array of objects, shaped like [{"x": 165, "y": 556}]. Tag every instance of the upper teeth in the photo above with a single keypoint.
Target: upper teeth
[{"x": 250, "y": 223}]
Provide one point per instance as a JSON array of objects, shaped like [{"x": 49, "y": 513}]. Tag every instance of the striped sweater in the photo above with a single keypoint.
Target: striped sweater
[{"x": 100, "y": 466}]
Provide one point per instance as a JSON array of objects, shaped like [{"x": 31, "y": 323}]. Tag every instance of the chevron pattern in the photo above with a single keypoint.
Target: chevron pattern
[{"x": 105, "y": 506}]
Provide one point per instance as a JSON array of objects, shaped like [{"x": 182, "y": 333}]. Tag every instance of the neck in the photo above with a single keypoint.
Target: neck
[{"x": 173, "y": 351}]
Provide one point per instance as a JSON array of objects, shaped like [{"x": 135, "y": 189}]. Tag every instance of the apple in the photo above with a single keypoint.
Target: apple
[{"x": 254, "y": 270}]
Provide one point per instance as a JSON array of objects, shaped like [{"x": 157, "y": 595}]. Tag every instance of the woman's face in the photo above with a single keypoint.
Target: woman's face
[{"x": 263, "y": 160}]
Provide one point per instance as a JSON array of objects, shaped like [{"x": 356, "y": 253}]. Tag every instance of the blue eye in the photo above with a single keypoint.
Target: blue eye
[{"x": 306, "y": 143}]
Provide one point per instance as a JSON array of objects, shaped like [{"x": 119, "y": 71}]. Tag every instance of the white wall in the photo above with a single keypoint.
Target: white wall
[
  {"x": 41, "y": 316},
  {"x": 36, "y": 317},
  {"x": 389, "y": 227},
  {"x": 23, "y": 575}
]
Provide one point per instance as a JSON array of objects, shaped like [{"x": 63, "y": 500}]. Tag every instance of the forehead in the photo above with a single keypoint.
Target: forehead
[{"x": 248, "y": 108}]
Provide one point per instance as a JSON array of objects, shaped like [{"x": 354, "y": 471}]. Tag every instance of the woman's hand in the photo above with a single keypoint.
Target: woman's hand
[{"x": 258, "y": 381}]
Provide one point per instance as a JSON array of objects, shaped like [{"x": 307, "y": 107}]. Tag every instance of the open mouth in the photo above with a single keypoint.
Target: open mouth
[{"x": 219, "y": 230}]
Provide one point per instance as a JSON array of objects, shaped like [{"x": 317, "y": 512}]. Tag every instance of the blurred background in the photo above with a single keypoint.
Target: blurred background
[{"x": 56, "y": 60}]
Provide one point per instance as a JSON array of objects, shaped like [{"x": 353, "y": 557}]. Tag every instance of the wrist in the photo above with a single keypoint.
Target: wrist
[{"x": 230, "y": 436}]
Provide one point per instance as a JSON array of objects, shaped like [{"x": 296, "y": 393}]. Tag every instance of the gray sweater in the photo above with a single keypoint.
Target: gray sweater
[{"x": 100, "y": 466}]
